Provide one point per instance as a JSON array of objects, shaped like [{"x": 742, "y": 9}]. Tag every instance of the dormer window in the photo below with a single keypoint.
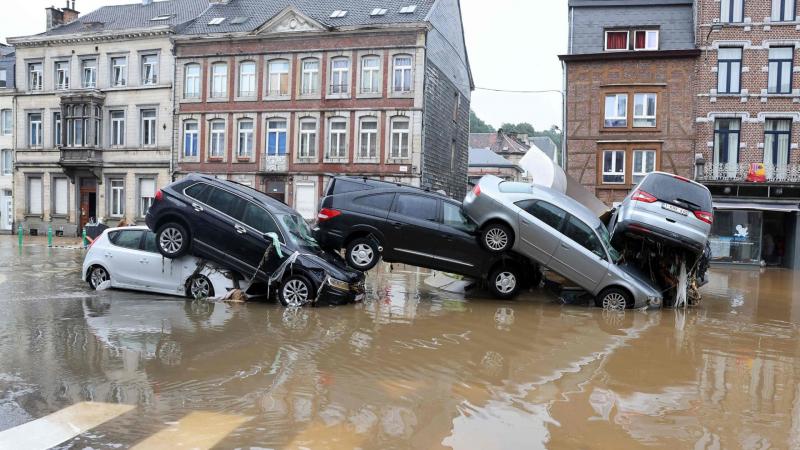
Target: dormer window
[
  {"x": 645, "y": 40},
  {"x": 410, "y": 9},
  {"x": 616, "y": 41},
  {"x": 378, "y": 12},
  {"x": 338, "y": 14},
  {"x": 633, "y": 39}
]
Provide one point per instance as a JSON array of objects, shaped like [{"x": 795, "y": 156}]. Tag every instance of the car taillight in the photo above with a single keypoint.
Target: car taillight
[
  {"x": 328, "y": 214},
  {"x": 682, "y": 178},
  {"x": 159, "y": 195},
  {"x": 706, "y": 217},
  {"x": 476, "y": 190},
  {"x": 642, "y": 196}
]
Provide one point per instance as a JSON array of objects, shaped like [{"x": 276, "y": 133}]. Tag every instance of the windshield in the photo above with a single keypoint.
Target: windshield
[
  {"x": 299, "y": 231},
  {"x": 606, "y": 239}
]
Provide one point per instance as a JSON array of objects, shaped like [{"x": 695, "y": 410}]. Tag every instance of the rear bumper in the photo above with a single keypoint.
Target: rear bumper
[
  {"x": 332, "y": 239},
  {"x": 632, "y": 227}
]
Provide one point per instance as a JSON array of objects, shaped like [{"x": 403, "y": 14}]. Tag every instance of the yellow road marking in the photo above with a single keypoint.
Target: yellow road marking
[
  {"x": 198, "y": 430},
  {"x": 60, "y": 426}
]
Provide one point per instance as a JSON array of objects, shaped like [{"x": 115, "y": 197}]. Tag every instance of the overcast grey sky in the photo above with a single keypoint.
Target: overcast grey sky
[{"x": 512, "y": 44}]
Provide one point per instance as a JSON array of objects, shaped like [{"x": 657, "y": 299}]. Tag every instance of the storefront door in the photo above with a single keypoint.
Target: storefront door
[{"x": 88, "y": 202}]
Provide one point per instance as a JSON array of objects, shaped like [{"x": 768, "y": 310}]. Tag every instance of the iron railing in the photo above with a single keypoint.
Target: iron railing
[{"x": 780, "y": 173}]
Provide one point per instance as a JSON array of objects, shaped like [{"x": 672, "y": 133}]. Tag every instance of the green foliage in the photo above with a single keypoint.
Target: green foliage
[
  {"x": 520, "y": 128},
  {"x": 476, "y": 125}
]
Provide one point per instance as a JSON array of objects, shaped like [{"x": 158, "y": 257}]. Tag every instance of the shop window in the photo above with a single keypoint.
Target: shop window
[{"x": 736, "y": 237}]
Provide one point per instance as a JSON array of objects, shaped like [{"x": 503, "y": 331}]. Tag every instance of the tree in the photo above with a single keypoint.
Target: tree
[
  {"x": 476, "y": 125},
  {"x": 520, "y": 128}
]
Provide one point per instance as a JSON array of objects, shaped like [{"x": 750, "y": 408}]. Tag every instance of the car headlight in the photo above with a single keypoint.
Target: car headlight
[{"x": 338, "y": 284}]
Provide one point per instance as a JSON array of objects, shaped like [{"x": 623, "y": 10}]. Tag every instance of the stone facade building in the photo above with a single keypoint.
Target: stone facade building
[
  {"x": 7, "y": 63},
  {"x": 279, "y": 95},
  {"x": 747, "y": 114},
  {"x": 629, "y": 95}
]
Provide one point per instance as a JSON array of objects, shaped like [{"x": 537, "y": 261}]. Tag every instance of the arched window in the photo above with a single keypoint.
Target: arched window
[
  {"x": 190, "y": 133},
  {"x": 278, "y": 81},
  {"x": 310, "y": 77},
  {"x": 308, "y": 138},
  {"x": 401, "y": 138},
  {"x": 217, "y": 139},
  {"x": 337, "y": 138},
  {"x": 370, "y": 74},
  {"x": 245, "y": 147},
  {"x": 219, "y": 80},
  {"x": 276, "y": 137},
  {"x": 368, "y": 138}
]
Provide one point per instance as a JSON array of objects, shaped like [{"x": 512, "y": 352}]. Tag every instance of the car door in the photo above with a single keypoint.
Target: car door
[
  {"x": 257, "y": 222},
  {"x": 580, "y": 255},
  {"x": 459, "y": 251},
  {"x": 412, "y": 230},
  {"x": 223, "y": 236},
  {"x": 539, "y": 225},
  {"x": 158, "y": 272},
  {"x": 123, "y": 258}
]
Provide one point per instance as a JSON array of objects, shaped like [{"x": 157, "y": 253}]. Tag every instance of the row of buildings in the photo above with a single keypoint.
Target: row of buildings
[
  {"x": 707, "y": 89},
  {"x": 101, "y": 110}
]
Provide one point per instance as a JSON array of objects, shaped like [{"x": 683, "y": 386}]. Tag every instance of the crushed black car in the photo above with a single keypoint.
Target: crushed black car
[{"x": 245, "y": 230}]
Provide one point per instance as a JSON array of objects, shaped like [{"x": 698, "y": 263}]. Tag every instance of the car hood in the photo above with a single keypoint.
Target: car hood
[
  {"x": 333, "y": 264},
  {"x": 636, "y": 275}
]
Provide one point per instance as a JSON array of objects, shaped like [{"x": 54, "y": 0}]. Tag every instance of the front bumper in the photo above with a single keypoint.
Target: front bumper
[{"x": 331, "y": 296}]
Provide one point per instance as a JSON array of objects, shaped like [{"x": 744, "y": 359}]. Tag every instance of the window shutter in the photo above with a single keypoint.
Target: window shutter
[
  {"x": 35, "y": 195},
  {"x": 148, "y": 188},
  {"x": 61, "y": 196}
]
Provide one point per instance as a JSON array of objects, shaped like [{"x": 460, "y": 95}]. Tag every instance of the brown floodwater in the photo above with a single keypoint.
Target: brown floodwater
[{"x": 411, "y": 367}]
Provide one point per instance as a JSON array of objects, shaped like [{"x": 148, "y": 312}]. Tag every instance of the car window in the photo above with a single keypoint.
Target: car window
[
  {"x": 127, "y": 239},
  {"x": 675, "y": 190},
  {"x": 150, "y": 242},
  {"x": 199, "y": 192},
  {"x": 605, "y": 238},
  {"x": 381, "y": 202},
  {"x": 417, "y": 207},
  {"x": 257, "y": 218},
  {"x": 225, "y": 202},
  {"x": 583, "y": 235},
  {"x": 550, "y": 214},
  {"x": 344, "y": 187},
  {"x": 453, "y": 217}
]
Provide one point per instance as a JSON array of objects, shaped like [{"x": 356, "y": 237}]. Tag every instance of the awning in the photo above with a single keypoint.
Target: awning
[{"x": 758, "y": 206}]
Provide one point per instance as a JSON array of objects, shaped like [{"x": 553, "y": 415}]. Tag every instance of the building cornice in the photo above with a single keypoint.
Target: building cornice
[
  {"x": 122, "y": 35},
  {"x": 616, "y": 56},
  {"x": 254, "y": 35}
]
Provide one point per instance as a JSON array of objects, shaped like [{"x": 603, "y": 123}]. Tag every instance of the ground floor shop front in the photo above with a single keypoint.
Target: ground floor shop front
[{"x": 756, "y": 234}]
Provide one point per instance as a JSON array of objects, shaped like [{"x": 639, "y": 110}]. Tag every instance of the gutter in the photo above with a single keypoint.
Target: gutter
[{"x": 615, "y": 56}]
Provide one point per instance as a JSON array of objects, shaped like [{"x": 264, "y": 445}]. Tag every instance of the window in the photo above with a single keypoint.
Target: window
[
  {"x": 117, "y": 128},
  {"x": 644, "y": 162},
  {"x": 308, "y": 138},
  {"x": 644, "y": 110},
  {"x": 780, "y": 70},
  {"x": 616, "y": 40},
  {"x": 35, "y": 78},
  {"x": 6, "y": 122},
  {"x": 403, "y": 73},
  {"x": 35, "y": 195},
  {"x": 731, "y": 11},
  {"x": 370, "y": 75},
  {"x": 401, "y": 134},
  {"x": 408, "y": 9},
  {"x": 130, "y": 239},
  {"x": 551, "y": 215},
  {"x": 310, "y": 77},
  {"x": 338, "y": 14},
  {"x": 614, "y": 167},
  {"x": 777, "y": 142},
  {"x": 147, "y": 195},
  {"x": 380, "y": 202},
  {"x": 89, "y": 73},
  {"x": 119, "y": 71},
  {"x": 416, "y": 207},
  {"x": 216, "y": 21},
  {"x": 60, "y": 196},
  {"x": 57, "y": 130},
  {"x": 278, "y": 81},
  {"x": 582, "y": 234},
  {"x": 191, "y": 88},
  {"x": 729, "y": 70},
  {"x": 149, "y": 69},
  {"x": 217, "y": 147},
  {"x": 117, "y": 198},
  {"x": 219, "y": 80},
  {"x": 368, "y": 139},
  {"x": 247, "y": 79},
  {"x": 97, "y": 126},
  {"x": 783, "y": 10},
  {"x": 337, "y": 143},
  {"x": 224, "y": 202},
  {"x": 3, "y": 78},
  {"x": 259, "y": 219},
  {"x": 276, "y": 137},
  {"x": 616, "y": 111},
  {"x": 62, "y": 75},
  {"x": 190, "y": 134},
  {"x": 645, "y": 40},
  {"x": 340, "y": 75},
  {"x": 7, "y": 162},
  {"x": 726, "y": 146},
  {"x": 34, "y": 130},
  {"x": 454, "y": 218},
  {"x": 245, "y": 148},
  {"x": 148, "y": 127}
]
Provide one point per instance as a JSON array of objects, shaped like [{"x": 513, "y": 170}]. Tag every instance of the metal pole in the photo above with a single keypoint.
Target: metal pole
[
  {"x": 50, "y": 236},
  {"x": 20, "y": 236},
  {"x": 85, "y": 241}
]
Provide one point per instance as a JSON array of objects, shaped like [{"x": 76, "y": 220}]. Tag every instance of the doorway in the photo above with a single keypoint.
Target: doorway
[
  {"x": 6, "y": 210},
  {"x": 88, "y": 202},
  {"x": 774, "y": 240}
]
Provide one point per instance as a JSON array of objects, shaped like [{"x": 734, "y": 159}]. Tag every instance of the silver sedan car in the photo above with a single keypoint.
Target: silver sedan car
[{"x": 559, "y": 233}]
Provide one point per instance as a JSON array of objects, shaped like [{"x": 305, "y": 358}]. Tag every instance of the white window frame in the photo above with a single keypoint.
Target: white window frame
[
  {"x": 149, "y": 124},
  {"x": 618, "y": 96},
  {"x": 6, "y": 167},
  {"x": 340, "y": 76},
  {"x": 338, "y": 137},
  {"x": 647, "y": 34},
  {"x": 61, "y": 70},
  {"x": 784, "y": 11},
  {"x": 308, "y": 139},
  {"x": 641, "y": 171},
  {"x": 727, "y": 11},
  {"x": 370, "y": 76},
  {"x": 310, "y": 79},
  {"x": 216, "y": 144},
  {"x": 245, "y": 141},
  {"x": 195, "y": 148},
  {"x": 275, "y": 76},
  {"x": 191, "y": 88},
  {"x": 219, "y": 81},
  {"x": 403, "y": 135},
  {"x": 150, "y": 79},
  {"x": 627, "y": 41},
  {"x": 406, "y": 73},
  {"x": 36, "y": 76},
  {"x": 645, "y": 116},
  {"x": 117, "y": 128},
  {"x": 247, "y": 81},
  {"x": 116, "y": 197},
  {"x": 615, "y": 163},
  {"x": 89, "y": 73},
  {"x": 368, "y": 137},
  {"x": 57, "y": 193},
  {"x": 3, "y": 78},
  {"x": 278, "y": 131},
  {"x": 146, "y": 201},
  {"x": 6, "y": 122},
  {"x": 58, "y": 123},
  {"x": 119, "y": 71},
  {"x": 35, "y": 125}
]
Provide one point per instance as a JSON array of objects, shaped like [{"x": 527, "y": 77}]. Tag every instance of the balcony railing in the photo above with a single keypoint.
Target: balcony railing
[
  {"x": 81, "y": 157},
  {"x": 738, "y": 172},
  {"x": 275, "y": 164}
]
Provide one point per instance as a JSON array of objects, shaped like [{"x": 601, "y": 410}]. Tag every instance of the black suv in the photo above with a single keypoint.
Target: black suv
[
  {"x": 373, "y": 219},
  {"x": 234, "y": 225}
]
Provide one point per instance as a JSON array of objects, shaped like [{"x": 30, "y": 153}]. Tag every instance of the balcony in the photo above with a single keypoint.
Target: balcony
[
  {"x": 275, "y": 164},
  {"x": 81, "y": 157},
  {"x": 741, "y": 173}
]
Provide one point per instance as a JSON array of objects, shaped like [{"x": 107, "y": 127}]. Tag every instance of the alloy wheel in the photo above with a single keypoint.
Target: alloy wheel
[
  {"x": 171, "y": 240},
  {"x": 295, "y": 292},
  {"x": 98, "y": 277},
  {"x": 200, "y": 287},
  {"x": 496, "y": 239},
  {"x": 362, "y": 255},
  {"x": 614, "y": 301},
  {"x": 505, "y": 282}
]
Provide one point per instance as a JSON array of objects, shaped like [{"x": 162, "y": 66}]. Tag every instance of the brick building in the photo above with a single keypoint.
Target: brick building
[
  {"x": 747, "y": 112},
  {"x": 281, "y": 94},
  {"x": 629, "y": 96}
]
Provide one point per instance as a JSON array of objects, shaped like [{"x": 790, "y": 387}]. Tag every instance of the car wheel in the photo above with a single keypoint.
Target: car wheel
[
  {"x": 97, "y": 276},
  {"x": 362, "y": 254},
  {"x": 614, "y": 299},
  {"x": 200, "y": 287},
  {"x": 496, "y": 238},
  {"x": 296, "y": 291},
  {"x": 504, "y": 282},
  {"x": 173, "y": 240}
]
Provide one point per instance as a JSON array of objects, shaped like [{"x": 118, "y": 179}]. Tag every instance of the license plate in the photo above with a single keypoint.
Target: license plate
[{"x": 675, "y": 209}]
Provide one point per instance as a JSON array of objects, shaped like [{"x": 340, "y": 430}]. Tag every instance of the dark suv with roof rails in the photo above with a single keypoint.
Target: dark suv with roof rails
[
  {"x": 374, "y": 219},
  {"x": 234, "y": 225}
]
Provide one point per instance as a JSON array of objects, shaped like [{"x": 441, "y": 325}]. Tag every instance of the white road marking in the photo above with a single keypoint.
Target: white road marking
[
  {"x": 198, "y": 430},
  {"x": 60, "y": 426}
]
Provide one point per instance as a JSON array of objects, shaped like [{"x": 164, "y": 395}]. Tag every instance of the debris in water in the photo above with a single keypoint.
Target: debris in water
[{"x": 683, "y": 287}]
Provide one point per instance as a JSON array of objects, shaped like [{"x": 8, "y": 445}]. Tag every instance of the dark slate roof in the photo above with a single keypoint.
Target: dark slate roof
[
  {"x": 602, "y": 3},
  {"x": 545, "y": 144},
  {"x": 132, "y": 16},
  {"x": 261, "y": 11},
  {"x": 483, "y": 157}
]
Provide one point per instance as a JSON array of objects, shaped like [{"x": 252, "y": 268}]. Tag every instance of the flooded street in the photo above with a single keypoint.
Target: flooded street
[{"x": 412, "y": 367}]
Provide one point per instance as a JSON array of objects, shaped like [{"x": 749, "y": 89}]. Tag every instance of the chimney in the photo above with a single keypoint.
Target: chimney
[
  {"x": 70, "y": 13},
  {"x": 55, "y": 17}
]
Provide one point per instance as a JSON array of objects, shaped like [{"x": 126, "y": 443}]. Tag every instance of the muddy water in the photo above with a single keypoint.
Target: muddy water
[{"x": 409, "y": 368}]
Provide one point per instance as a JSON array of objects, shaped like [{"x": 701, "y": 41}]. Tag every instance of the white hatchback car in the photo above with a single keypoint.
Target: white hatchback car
[{"x": 129, "y": 258}]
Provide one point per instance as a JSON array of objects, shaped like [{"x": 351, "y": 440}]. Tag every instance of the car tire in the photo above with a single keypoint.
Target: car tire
[
  {"x": 614, "y": 299},
  {"x": 504, "y": 282},
  {"x": 97, "y": 276},
  {"x": 362, "y": 254},
  {"x": 199, "y": 286},
  {"x": 497, "y": 238},
  {"x": 296, "y": 291},
  {"x": 173, "y": 240}
]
